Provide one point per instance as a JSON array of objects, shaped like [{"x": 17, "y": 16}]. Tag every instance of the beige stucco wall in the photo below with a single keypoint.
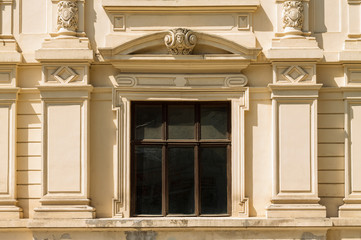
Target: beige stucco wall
[{"x": 280, "y": 189}]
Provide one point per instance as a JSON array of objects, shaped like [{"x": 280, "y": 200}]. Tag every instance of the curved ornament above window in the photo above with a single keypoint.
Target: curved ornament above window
[
  {"x": 180, "y": 41},
  {"x": 180, "y": 50}
]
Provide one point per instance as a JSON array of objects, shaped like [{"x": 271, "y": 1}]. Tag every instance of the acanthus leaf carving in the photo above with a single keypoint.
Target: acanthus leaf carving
[
  {"x": 292, "y": 16},
  {"x": 180, "y": 41},
  {"x": 67, "y": 20}
]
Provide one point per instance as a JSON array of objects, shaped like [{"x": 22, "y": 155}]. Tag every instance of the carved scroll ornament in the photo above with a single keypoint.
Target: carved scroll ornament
[
  {"x": 67, "y": 16},
  {"x": 180, "y": 41},
  {"x": 292, "y": 15}
]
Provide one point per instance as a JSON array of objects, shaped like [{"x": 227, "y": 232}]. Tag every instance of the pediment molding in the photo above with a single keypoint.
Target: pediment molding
[{"x": 149, "y": 53}]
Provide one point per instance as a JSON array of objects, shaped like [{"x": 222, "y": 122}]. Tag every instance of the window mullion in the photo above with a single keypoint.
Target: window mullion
[
  {"x": 164, "y": 160},
  {"x": 196, "y": 181},
  {"x": 164, "y": 181},
  {"x": 196, "y": 160}
]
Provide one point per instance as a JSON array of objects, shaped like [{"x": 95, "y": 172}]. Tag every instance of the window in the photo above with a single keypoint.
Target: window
[{"x": 180, "y": 158}]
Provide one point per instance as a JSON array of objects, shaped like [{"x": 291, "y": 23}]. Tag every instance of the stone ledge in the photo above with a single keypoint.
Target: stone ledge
[
  {"x": 346, "y": 222},
  {"x": 169, "y": 223}
]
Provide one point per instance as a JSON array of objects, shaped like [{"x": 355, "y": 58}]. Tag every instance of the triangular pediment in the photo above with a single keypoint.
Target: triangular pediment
[{"x": 177, "y": 48}]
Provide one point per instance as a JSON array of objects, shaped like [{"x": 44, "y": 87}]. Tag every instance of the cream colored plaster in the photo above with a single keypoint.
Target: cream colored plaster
[
  {"x": 118, "y": 51},
  {"x": 33, "y": 21},
  {"x": 259, "y": 163},
  {"x": 101, "y": 152}
]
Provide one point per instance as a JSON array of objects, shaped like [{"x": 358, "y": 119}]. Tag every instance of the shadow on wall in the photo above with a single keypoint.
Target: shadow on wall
[
  {"x": 91, "y": 17},
  {"x": 103, "y": 140},
  {"x": 249, "y": 160},
  {"x": 261, "y": 21},
  {"x": 317, "y": 20}
]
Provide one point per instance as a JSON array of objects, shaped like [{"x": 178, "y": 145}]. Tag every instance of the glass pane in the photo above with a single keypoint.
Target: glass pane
[
  {"x": 181, "y": 122},
  {"x": 214, "y": 122},
  {"x": 148, "y": 121},
  {"x": 181, "y": 180},
  {"x": 213, "y": 177},
  {"x": 148, "y": 180}
]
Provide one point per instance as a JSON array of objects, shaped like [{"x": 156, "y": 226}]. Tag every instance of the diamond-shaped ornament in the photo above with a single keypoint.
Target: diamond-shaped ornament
[
  {"x": 295, "y": 74},
  {"x": 65, "y": 74}
]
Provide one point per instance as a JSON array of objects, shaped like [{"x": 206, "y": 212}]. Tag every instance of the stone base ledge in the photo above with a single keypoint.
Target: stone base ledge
[
  {"x": 350, "y": 211},
  {"x": 175, "y": 223},
  {"x": 296, "y": 211},
  {"x": 64, "y": 212},
  {"x": 10, "y": 212},
  {"x": 169, "y": 223}
]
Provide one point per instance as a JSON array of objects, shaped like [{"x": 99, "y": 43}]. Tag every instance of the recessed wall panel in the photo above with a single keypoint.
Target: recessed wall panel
[
  {"x": 144, "y": 22},
  {"x": 355, "y": 121},
  {"x": 64, "y": 148},
  {"x": 4, "y": 149},
  {"x": 294, "y": 147}
]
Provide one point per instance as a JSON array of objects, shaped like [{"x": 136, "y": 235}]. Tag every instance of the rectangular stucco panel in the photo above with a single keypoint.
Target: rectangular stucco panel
[
  {"x": 4, "y": 149},
  {"x": 355, "y": 117},
  {"x": 64, "y": 156},
  {"x": 294, "y": 148}
]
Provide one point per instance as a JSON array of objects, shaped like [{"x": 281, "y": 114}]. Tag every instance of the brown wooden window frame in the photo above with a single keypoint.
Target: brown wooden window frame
[{"x": 164, "y": 143}]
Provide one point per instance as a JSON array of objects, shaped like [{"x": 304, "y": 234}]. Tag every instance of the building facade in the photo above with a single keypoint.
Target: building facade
[{"x": 180, "y": 119}]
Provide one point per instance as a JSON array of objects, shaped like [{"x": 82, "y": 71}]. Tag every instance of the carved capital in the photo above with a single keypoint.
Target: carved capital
[
  {"x": 292, "y": 16},
  {"x": 180, "y": 41},
  {"x": 68, "y": 16}
]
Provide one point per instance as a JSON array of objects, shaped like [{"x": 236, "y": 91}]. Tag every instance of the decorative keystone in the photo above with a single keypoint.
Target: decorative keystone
[{"x": 180, "y": 41}]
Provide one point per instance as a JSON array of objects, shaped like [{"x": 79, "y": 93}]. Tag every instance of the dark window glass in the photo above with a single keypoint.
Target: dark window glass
[
  {"x": 148, "y": 122},
  {"x": 180, "y": 158},
  {"x": 213, "y": 168},
  {"x": 181, "y": 180},
  {"x": 181, "y": 121},
  {"x": 148, "y": 179},
  {"x": 214, "y": 122}
]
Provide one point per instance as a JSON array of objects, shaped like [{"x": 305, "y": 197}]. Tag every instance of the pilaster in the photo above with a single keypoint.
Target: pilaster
[
  {"x": 9, "y": 58},
  {"x": 352, "y": 98},
  {"x": 294, "y": 104},
  {"x": 8, "y": 97},
  {"x": 65, "y": 94},
  {"x": 294, "y": 109},
  {"x": 65, "y": 153},
  {"x": 352, "y": 45}
]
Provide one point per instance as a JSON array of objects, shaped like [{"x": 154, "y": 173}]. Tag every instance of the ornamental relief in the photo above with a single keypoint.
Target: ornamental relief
[
  {"x": 295, "y": 74},
  {"x": 180, "y": 41},
  {"x": 181, "y": 80},
  {"x": 65, "y": 74},
  {"x": 292, "y": 14},
  {"x": 67, "y": 16}
]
